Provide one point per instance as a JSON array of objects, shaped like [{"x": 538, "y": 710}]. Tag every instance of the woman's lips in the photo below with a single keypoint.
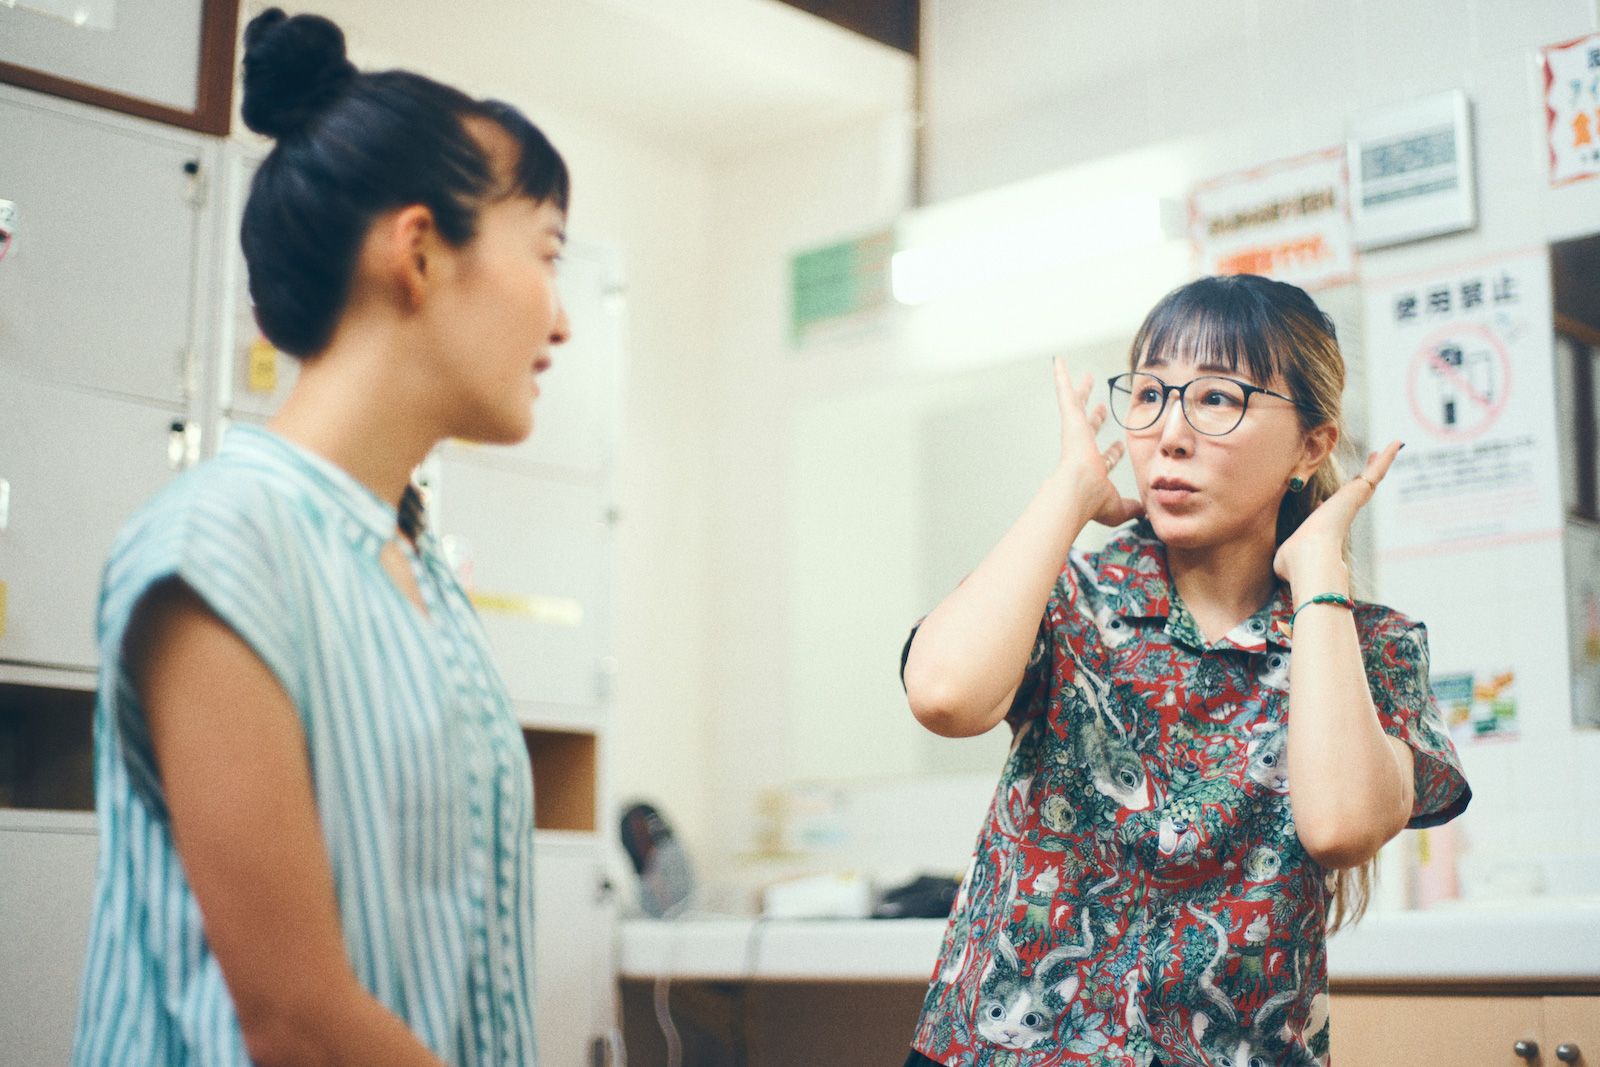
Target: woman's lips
[{"x": 1172, "y": 492}]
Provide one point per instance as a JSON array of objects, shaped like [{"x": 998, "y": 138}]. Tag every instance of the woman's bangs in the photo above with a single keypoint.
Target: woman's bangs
[{"x": 1214, "y": 330}]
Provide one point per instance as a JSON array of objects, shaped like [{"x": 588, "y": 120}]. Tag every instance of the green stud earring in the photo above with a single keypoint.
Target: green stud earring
[{"x": 1296, "y": 484}]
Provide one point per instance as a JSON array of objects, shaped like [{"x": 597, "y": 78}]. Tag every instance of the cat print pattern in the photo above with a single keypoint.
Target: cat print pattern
[{"x": 1138, "y": 893}]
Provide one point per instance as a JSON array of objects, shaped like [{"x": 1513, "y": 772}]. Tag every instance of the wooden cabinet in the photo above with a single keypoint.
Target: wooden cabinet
[{"x": 1481, "y": 1031}]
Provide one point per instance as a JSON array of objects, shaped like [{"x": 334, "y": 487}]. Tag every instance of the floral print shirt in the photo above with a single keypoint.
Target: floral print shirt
[{"x": 1138, "y": 893}]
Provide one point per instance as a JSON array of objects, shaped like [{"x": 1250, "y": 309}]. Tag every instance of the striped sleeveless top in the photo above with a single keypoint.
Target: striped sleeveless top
[{"x": 422, "y": 781}]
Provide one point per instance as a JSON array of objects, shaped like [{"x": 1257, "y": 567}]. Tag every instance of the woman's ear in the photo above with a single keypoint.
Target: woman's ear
[
  {"x": 1318, "y": 446},
  {"x": 402, "y": 254}
]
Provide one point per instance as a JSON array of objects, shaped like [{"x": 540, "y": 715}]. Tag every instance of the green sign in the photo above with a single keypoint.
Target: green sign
[{"x": 839, "y": 286}]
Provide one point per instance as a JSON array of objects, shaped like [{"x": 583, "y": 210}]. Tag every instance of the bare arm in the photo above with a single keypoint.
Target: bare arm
[
  {"x": 237, "y": 781},
  {"x": 1350, "y": 784},
  {"x": 969, "y": 655}
]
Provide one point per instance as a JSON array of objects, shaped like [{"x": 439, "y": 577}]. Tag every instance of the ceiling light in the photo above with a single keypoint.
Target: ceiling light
[{"x": 1031, "y": 246}]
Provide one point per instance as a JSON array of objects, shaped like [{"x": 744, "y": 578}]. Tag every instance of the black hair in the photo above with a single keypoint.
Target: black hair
[
  {"x": 1272, "y": 330},
  {"x": 350, "y": 147},
  {"x": 1238, "y": 319}
]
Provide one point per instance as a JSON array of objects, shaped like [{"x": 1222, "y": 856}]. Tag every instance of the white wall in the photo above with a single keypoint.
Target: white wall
[{"x": 655, "y": 104}]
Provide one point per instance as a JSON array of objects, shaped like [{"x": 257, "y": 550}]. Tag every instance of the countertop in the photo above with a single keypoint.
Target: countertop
[{"x": 1555, "y": 940}]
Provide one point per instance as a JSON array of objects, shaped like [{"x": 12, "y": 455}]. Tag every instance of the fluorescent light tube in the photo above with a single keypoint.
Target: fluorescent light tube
[{"x": 1027, "y": 247}]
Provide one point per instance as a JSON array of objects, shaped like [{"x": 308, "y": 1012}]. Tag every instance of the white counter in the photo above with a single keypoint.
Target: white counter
[{"x": 1556, "y": 941}]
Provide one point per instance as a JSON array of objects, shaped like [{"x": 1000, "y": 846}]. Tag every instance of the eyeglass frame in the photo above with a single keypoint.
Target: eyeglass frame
[{"x": 1183, "y": 404}]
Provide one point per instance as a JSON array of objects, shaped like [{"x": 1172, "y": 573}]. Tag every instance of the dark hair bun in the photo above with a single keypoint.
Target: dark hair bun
[{"x": 293, "y": 69}]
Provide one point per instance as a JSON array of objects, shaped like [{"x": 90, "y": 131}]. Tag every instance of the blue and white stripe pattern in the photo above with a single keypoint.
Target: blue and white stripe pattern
[{"x": 422, "y": 780}]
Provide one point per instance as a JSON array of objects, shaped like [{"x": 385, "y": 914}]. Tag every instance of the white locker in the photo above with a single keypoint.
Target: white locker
[
  {"x": 535, "y": 555},
  {"x": 99, "y": 286},
  {"x": 573, "y": 931},
  {"x": 78, "y": 465},
  {"x": 47, "y": 863},
  {"x": 255, "y": 378}
]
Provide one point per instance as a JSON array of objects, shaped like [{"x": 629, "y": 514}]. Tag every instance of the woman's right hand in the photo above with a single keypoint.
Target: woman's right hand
[{"x": 1083, "y": 469}]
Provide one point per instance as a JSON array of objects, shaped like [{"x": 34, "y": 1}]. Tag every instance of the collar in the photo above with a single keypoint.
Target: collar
[
  {"x": 1132, "y": 576},
  {"x": 367, "y": 519}
]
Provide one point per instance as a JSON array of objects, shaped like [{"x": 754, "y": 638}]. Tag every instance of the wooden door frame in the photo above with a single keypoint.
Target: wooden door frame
[{"x": 213, "y": 111}]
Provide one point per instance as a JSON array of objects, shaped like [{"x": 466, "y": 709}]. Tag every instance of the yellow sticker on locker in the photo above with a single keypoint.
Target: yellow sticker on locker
[
  {"x": 550, "y": 610},
  {"x": 262, "y": 373}
]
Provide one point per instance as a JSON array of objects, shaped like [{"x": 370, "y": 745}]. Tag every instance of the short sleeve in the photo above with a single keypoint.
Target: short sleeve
[
  {"x": 233, "y": 559},
  {"x": 1034, "y": 691},
  {"x": 1396, "y": 660}
]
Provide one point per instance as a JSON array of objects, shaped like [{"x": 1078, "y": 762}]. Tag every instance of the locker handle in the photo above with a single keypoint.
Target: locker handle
[{"x": 5, "y": 504}]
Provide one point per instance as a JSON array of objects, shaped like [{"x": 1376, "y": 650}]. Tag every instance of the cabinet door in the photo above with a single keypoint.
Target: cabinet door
[
  {"x": 1399, "y": 1031},
  {"x": 78, "y": 466},
  {"x": 99, "y": 286},
  {"x": 1573, "y": 1021},
  {"x": 256, "y": 378},
  {"x": 573, "y": 931},
  {"x": 535, "y": 554},
  {"x": 46, "y": 889}
]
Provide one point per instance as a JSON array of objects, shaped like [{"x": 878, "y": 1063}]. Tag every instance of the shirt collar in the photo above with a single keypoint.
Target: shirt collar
[
  {"x": 1135, "y": 562},
  {"x": 366, "y": 516}
]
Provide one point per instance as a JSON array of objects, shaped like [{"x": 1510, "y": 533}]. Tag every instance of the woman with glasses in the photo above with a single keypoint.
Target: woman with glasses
[{"x": 1212, "y": 740}]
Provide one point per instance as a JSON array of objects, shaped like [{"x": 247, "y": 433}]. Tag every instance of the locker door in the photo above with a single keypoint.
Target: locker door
[
  {"x": 98, "y": 288},
  {"x": 256, "y": 378},
  {"x": 575, "y": 419},
  {"x": 573, "y": 948},
  {"x": 535, "y": 555},
  {"x": 46, "y": 891},
  {"x": 78, "y": 466}
]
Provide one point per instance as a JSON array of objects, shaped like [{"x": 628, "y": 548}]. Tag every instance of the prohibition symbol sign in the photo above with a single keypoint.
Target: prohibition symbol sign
[{"x": 1458, "y": 382}]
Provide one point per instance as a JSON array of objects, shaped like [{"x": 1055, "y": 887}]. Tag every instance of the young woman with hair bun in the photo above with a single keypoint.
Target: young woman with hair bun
[
  {"x": 316, "y": 808},
  {"x": 1211, "y": 739}
]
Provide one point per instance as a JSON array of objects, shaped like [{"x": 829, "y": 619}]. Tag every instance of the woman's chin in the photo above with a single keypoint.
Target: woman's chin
[{"x": 1179, "y": 531}]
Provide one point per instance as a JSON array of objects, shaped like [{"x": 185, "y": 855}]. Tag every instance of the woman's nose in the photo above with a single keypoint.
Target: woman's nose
[
  {"x": 561, "y": 328},
  {"x": 1177, "y": 436}
]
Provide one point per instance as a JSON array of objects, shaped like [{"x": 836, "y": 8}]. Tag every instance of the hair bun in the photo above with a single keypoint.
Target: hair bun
[{"x": 293, "y": 69}]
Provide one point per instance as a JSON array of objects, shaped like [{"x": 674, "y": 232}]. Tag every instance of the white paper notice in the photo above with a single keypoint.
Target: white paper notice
[
  {"x": 1572, "y": 108},
  {"x": 1460, "y": 369},
  {"x": 1288, "y": 220}
]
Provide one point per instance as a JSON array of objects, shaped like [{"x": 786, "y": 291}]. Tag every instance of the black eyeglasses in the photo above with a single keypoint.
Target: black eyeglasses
[{"x": 1138, "y": 401}]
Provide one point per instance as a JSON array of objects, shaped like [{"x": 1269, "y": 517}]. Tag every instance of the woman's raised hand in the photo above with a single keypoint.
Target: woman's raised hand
[
  {"x": 1085, "y": 469},
  {"x": 1318, "y": 544}
]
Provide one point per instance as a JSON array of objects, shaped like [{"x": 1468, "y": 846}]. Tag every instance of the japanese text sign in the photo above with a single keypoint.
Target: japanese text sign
[
  {"x": 1460, "y": 369},
  {"x": 1572, "y": 108},
  {"x": 1287, "y": 220}
]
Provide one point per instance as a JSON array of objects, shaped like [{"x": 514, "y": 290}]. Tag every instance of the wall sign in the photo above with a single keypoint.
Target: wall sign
[
  {"x": 1411, "y": 172},
  {"x": 1460, "y": 368},
  {"x": 836, "y": 289},
  {"x": 1288, "y": 220},
  {"x": 1572, "y": 108}
]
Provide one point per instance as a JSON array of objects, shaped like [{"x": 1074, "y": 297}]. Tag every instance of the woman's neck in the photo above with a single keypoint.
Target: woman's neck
[
  {"x": 357, "y": 405},
  {"x": 1223, "y": 584}
]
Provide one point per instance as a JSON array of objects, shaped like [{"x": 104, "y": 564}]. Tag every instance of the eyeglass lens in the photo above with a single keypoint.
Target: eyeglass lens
[{"x": 1213, "y": 406}]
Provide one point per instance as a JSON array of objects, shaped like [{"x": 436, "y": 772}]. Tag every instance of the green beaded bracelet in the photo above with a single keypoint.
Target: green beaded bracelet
[{"x": 1323, "y": 598}]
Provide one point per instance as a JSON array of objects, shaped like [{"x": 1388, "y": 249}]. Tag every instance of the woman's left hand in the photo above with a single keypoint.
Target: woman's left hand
[{"x": 1315, "y": 550}]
